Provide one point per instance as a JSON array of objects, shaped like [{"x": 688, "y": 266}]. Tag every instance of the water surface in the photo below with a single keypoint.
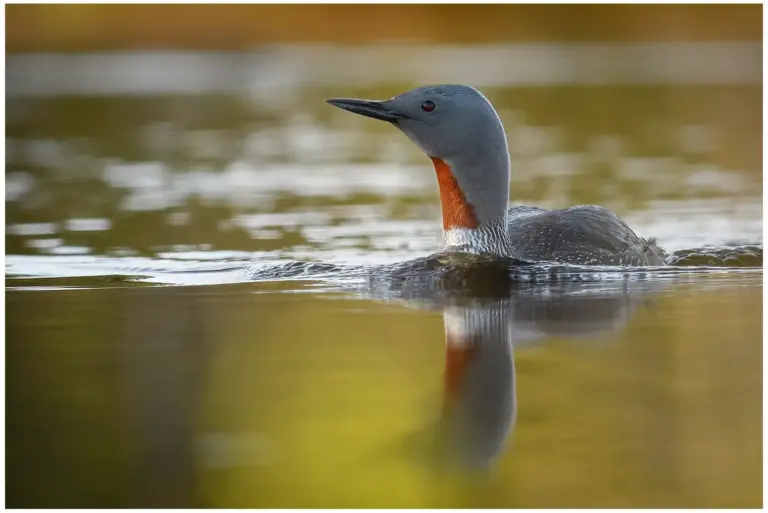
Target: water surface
[
  {"x": 592, "y": 394},
  {"x": 206, "y": 305}
]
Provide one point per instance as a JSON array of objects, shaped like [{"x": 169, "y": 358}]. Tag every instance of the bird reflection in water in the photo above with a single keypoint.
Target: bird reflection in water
[
  {"x": 479, "y": 404},
  {"x": 486, "y": 317}
]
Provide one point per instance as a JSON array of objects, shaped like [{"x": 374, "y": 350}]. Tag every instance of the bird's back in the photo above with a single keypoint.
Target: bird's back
[{"x": 581, "y": 235}]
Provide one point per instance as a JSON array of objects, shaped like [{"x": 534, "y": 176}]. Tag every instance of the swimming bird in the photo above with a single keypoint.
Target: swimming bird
[{"x": 460, "y": 131}]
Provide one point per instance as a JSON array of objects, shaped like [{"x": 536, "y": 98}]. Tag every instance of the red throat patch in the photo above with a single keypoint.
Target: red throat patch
[{"x": 457, "y": 211}]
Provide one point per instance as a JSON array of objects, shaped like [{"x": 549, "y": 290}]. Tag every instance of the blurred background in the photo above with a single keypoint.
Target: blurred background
[
  {"x": 148, "y": 128},
  {"x": 167, "y": 137}
]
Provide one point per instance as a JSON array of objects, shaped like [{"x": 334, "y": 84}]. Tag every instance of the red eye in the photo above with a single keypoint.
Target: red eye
[{"x": 428, "y": 106}]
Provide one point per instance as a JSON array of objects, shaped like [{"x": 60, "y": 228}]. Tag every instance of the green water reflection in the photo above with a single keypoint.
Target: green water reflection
[{"x": 242, "y": 396}]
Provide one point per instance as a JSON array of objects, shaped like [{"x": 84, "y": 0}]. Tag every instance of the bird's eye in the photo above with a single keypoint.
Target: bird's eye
[{"x": 428, "y": 106}]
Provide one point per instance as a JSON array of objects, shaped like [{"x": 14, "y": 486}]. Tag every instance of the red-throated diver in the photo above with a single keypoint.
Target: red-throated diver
[{"x": 459, "y": 130}]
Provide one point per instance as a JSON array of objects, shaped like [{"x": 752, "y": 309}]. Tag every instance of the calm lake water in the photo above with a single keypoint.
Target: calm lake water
[{"x": 203, "y": 308}]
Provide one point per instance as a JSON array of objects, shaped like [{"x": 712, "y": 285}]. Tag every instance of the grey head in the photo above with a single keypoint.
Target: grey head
[{"x": 457, "y": 125}]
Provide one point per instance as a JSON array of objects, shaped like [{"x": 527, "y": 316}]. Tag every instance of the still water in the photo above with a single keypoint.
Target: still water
[{"x": 205, "y": 304}]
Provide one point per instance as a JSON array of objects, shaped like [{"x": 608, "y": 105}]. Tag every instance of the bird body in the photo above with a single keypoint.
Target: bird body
[{"x": 459, "y": 130}]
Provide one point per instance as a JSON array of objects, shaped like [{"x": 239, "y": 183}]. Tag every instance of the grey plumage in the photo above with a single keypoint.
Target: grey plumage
[{"x": 583, "y": 235}]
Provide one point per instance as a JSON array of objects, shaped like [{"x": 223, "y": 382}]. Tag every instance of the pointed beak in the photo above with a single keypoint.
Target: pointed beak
[{"x": 370, "y": 108}]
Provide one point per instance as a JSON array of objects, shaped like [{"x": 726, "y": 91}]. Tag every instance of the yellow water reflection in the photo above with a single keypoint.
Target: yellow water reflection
[
  {"x": 346, "y": 402},
  {"x": 612, "y": 394}
]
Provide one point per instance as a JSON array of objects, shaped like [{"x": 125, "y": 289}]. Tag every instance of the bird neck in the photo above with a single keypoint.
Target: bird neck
[{"x": 474, "y": 202}]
